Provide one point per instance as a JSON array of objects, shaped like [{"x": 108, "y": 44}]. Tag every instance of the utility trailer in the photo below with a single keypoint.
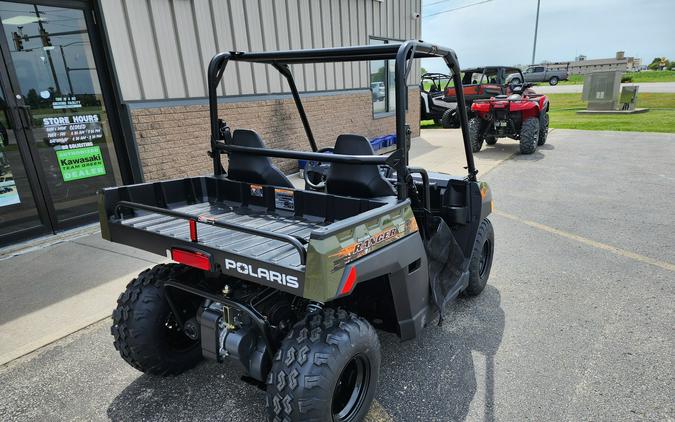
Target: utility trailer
[{"x": 292, "y": 283}]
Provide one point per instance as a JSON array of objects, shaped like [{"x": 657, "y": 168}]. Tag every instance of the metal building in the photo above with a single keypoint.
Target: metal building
[{"x": 102, "y": 92}]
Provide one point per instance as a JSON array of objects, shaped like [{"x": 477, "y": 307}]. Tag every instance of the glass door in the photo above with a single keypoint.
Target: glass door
[
  {"x": 55, "y": 87},
  {"x": 19, "y": 213}
]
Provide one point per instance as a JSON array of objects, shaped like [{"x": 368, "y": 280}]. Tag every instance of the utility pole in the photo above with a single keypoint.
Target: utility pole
[
  {"x": 47, "y": 52},
  {"x": 536, "y": 28}
]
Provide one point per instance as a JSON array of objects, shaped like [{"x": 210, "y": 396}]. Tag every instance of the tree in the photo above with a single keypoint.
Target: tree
[
  {"x": 423, "y": 70},
  {"x": 659, "y": 63}
]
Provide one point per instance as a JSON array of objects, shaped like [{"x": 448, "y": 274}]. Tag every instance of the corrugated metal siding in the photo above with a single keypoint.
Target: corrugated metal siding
[{"x": 161, "y": 48}]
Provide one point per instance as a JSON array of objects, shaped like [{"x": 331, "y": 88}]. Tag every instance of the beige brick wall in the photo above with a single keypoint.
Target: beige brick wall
[{"x": 172, "y": 141}]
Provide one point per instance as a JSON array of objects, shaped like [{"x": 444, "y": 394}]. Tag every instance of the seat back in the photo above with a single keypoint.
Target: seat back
[
  {"x": 252, "y": 168},
  {"x": 357, "y": 180}
]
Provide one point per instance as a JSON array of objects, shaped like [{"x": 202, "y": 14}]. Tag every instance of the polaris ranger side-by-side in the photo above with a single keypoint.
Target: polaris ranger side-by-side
[{"x": 292, "y": 283}]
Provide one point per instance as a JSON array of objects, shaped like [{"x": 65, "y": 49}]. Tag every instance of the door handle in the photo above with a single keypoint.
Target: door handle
[{"x": 25, "y": 116}]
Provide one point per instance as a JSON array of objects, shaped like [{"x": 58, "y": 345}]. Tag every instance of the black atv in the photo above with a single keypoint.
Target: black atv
[{"x": 292, "y": 284}]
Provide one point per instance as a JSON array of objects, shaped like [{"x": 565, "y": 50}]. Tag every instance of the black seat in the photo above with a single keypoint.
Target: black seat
[
  {"x": 361, "y": 181},
  {"x": 252, "y": 168}
]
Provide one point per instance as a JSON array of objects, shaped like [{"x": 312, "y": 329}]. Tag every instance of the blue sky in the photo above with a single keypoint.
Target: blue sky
[{"x": 502, "y": 31}]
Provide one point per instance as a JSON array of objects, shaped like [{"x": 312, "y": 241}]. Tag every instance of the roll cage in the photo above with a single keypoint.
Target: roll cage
[
  {"x": 501, "y": 72},
  {"x": 280, "y": 60}
]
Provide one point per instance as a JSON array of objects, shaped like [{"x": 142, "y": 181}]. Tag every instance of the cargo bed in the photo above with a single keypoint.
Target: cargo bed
[
  {"x": 227, "y": 219},
  {"x": 235, "y": 242}
]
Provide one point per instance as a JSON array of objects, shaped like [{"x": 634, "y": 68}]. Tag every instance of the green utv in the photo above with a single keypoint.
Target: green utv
[{"x": 292, "y": 283}]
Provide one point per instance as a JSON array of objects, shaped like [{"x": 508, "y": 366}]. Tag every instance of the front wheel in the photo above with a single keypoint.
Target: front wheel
[
  {"x": 529, "y": 135},
  {"x": 481, "y": 258},
  {"x": 449, "y": 119},
  {"x": 490, "y": 140},
  {"x": 475, "y": 134},
  {"x": 145, "y": 329},
  {"x": 325, "y": 369},
  {"x": 553, "y": 80}
]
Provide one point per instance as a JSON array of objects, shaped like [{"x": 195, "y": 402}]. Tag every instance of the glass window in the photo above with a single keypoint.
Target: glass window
[
  {"x": 58, "y": 82},
  {"x": 378, "y": 85},
  {"x": 382, "y": 83},
  {"x": 391, "y": 85}
]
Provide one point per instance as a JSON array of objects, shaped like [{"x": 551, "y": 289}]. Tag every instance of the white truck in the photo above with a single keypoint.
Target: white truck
[{"x": 542, "y": 74}]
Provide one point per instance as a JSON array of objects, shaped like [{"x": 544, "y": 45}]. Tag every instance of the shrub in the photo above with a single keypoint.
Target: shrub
[{"x": 627, "y": 78}]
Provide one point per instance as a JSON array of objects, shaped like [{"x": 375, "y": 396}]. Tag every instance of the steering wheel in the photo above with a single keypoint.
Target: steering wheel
[{"x": 316, "y": 172}]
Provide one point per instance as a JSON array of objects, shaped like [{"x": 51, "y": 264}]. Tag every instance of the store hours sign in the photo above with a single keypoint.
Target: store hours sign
[
  {"x": 72, "y": 129},
  {"x": 72, "y": 138}
]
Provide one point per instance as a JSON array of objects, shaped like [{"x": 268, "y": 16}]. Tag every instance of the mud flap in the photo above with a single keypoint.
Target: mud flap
[{"x": 446, "y": 261}]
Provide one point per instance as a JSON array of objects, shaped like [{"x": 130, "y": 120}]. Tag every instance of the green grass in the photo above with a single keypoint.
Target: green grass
[
  {"x": 659, "y": 118},
  {"x": 573, "y": 80},
  {"x": 644, "y": 76},
  {"x": 563, "y": 115}
]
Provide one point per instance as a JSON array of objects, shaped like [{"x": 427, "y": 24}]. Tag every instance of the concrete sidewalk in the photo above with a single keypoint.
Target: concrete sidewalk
[{"x": 56, "y": 285}]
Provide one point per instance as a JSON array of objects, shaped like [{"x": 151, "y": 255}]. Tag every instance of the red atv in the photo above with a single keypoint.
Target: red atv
[{"x": 521, "y": 114}]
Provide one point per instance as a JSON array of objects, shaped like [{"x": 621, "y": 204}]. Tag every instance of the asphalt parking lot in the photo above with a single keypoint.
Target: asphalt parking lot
[{"x": 576, "y": 323}]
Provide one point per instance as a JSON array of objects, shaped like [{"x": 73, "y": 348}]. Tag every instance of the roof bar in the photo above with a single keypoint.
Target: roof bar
[{"x": 311, "y": 156}]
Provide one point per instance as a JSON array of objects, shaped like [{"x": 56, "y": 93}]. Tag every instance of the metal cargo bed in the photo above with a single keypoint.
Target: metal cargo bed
[
  {"x": 233, "y": 241},
  {"x": 241, "y": 229}
]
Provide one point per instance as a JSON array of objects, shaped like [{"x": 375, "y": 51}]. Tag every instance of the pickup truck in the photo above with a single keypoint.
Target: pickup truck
[{"x": 542, "y": 74}]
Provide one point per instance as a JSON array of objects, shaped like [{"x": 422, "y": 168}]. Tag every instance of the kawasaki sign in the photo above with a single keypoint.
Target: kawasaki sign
[{"x": 80, "y": 163}]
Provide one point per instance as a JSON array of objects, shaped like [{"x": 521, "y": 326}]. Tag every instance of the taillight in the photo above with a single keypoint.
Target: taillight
[
  {"x": 349, "y": 283},
  {"x": 193, "y": 259}
]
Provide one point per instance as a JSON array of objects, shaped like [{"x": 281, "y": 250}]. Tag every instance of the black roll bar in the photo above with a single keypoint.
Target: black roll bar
[
  {"x": 286, "y": 71},
  {"x": 310, "y": 156},
  {"x": 280, "y": 60}
]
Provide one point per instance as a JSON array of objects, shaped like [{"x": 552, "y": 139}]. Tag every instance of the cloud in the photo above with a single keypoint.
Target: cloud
[{"x": 501, "y": 31}]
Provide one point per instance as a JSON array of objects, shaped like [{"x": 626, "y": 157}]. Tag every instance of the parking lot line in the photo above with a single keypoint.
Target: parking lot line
[{"x": 599, "y": 245}]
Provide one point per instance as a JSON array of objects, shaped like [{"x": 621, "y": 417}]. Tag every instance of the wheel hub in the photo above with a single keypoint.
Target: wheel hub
[{"x": 351, "y": 389}]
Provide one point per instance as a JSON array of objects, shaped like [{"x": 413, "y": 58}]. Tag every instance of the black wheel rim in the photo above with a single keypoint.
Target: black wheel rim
[
  {"x": 485, "y": 256},
  {"x": 351, "y": 389}
]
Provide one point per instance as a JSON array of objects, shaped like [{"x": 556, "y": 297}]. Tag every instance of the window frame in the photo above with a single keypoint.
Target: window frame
[{"x": 389, "y": 109}]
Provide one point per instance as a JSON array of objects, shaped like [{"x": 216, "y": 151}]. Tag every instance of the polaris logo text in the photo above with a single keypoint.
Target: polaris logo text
[{"x": 262, "y": 273}]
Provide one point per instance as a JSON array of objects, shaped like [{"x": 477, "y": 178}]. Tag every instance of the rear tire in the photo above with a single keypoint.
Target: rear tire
[
  {"x": 543, "y": 129},
  {"x": 449, "y": 120},
  {"x": 553, "y": 80},
  {"x": 490, "y": 140},
  {"x": 328, "y": 363},
  {"x": 481, "y": 259},
  {"x": 529, "y": 135},
  {"x": 515, "y": 81},
  {"x": 144, "y": 329},
  {"x": 475, "y": 135}
]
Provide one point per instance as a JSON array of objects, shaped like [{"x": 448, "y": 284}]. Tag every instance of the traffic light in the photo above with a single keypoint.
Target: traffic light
[
  {"x": 44, "y": 35},
  {"x": 18, "y": 41}
]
